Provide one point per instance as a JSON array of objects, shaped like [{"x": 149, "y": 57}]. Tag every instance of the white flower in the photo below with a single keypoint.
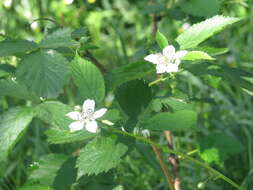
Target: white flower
[
  {"x": 167, "y": 61},
  {"x": 86, "y": 118}
]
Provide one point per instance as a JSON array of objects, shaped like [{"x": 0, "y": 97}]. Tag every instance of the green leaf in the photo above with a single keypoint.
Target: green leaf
[
  {"x": 198, "y": 33},
  {"x": 216, "y": 148},
  {"x": 58, "y": 38},
  {"x": 66, "y": 175},
  {"x": 14, "y": 47},
  {"x": 6, "y": 70},
  {"x": 44, "y": 73},
  {"x": 53, "y": 113},
  {"x": 88, "y": 79},
  {"x": 129, "y": 72},
  {"x": 12, "y": 88},
  {"x": 197, "y": 55},
  {"x": 47, "y": 169},
  {"x": 213, "y": 51},
  {"x": 161, "y": 40},
  {"x": 57, "y": 136},
  {"x": 34, "y": 186},
  {"x": 238, "y": 78},
  {"x": 100, "y": 155},
  {"x": 177, "y": 121},
  {"x": 173, "y": 103},
  {"x": 201, "y": 8},
  {"x": 12, "y": 125},
  {"x": 79, "y": 33},
  {"x": 156, "y": 8},
  {"x": 134, "y": 97}
]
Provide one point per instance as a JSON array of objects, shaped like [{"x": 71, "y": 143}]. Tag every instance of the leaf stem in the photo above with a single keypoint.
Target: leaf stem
[{"x": 157, "y": 81}]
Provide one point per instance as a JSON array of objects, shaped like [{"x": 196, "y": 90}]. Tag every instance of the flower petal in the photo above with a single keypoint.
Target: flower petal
[
  {"x": 153, "y": 58},
  {"x": 171, "y": 68},
  {"x": 88, "y": 105},
  {"x": 91, "y": 126},
  {"x": 160, "y": 68},
  {"x": 180, "y": 54},
  {"x": 169, "y": 51},
  {"x": 99, "y": 113},
  {"x": 76, "y": 126},
  {"x": 75, "y": 115}
]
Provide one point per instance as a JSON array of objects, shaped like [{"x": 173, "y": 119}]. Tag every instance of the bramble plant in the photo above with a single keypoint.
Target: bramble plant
[{"x": 99, "y": 117}]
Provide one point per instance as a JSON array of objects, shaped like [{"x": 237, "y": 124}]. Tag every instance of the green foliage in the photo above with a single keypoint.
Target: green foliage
[
  {"x": 12, "y": 126},
  {"x": 128, "y": 72},
  {"x": 217, "y": 148},
  {"x": 44, "y": 73},
  {"x": 34, "y": 186},
  {"x": 58, "y": 38},
  {"x": 161, "y": 40},
  {"x": 88, "y": 79},
  {"x": 16, "y": 47},
  {"x": 197, "y": 55},
  {"x": 134, "y": 97},
  {"x": 100, "y": 155},
  {"x": 179, "y": 121},
  {"x": 12, "y": 88},
  {"x": 197, "y": 33},
  {"x": 47, "y": 169},
  {"x": 201, "y": 8}
]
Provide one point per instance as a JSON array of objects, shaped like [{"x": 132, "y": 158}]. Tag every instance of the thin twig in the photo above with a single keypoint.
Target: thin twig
[
  {"x": 173, "y": 160},
  {"x": 166, "y": 173}
]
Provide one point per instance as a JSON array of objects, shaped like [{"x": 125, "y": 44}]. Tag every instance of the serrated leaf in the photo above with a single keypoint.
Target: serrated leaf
[
  {"x": 216, "y": 148},
  {"x": 88, "y": 79},
  {"x": 14, "y": 47},
  {"x": 44, "y": 73},
  {"x": 197, "y": 55},
  {"x": 58, "y": 38},
  {"x": 161, "y": 40},
  {"x": 12, "y": 125},
  {"x": 12, "y": 88},
  {"x": 201, "y": 8},
  {"x": 54, "y": 113},
  {"x": 134, "y": 97},
  {"x": 199, "y": 32},
  {"x": 128, "y": 72},
  {"x": 177, "y": 121},
  {"x": 47, "y": 168},
  {"x": 100, "y": 155}
]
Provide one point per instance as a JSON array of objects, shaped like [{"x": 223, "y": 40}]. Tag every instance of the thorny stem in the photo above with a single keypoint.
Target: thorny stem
[
  {"x": 166, "y": 173},
  {"x": 181, "y": 155},
  {"x": 173, "y": 160}
]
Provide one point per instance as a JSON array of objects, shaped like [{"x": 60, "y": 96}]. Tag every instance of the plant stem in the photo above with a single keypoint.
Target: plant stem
[
  {"x": 157, "y": 81},
  {"x": 182, "y": 155},
  {"x": 173, "y": 160},
  {"x": 166, "y": 173}
]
